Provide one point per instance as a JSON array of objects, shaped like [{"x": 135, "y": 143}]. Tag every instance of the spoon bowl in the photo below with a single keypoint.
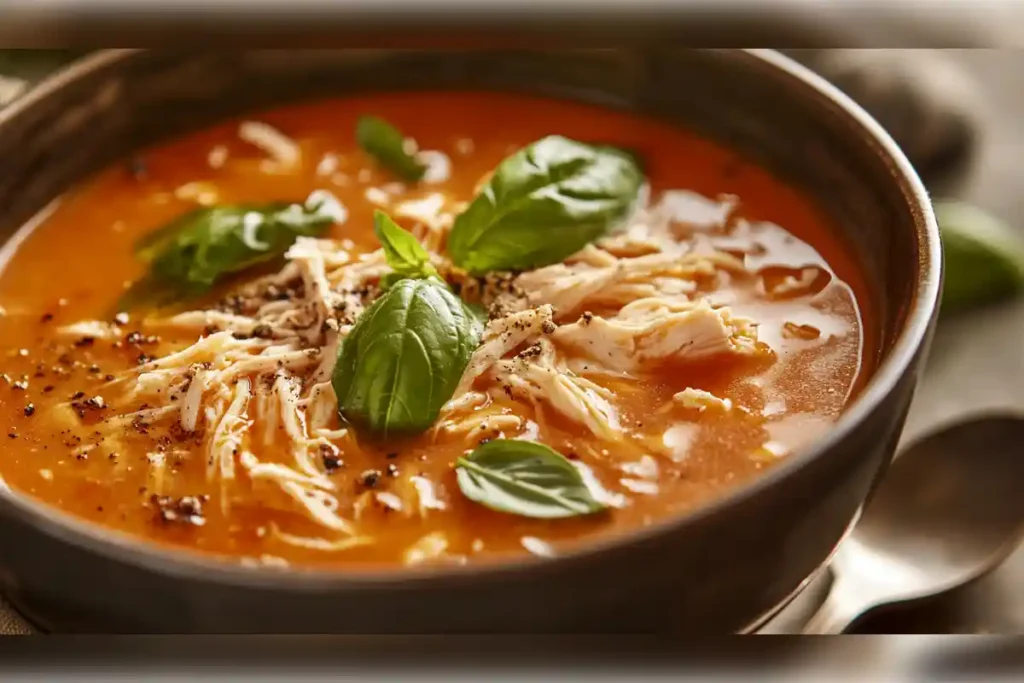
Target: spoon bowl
[{"x": 949, "y": 510}]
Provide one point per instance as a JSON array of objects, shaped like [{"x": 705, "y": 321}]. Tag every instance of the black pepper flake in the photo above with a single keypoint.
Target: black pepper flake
[
  {"x": 47, "y": 317},
  {"x": 531, "y": 351},
  {"x": 12, "y": 434},
  {"x": 262, "y": 331},
  {"x": 85, "y": 341},
  {"x": 109, "y": 378},
  {"x": 143, "y": 359},
  {"x": 391, "y": 456},
  {"x": 30, "y": 410},
  {"x": 48, "y": 388},
  {"x": 186, "y": 509},
  {"x": 94, "y": 369},
  {"x": 136, "y": 338},
  {"x": 94, "y": 403},
  {"x": 586, "y": 317},
  {"x": 77, "y": 395},
  {"x": 548, "y": 327},
  {"x": 369, "y": 478}
]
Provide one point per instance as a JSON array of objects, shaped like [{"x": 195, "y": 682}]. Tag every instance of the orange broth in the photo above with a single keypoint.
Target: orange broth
[{"x": 73, "y": 265}]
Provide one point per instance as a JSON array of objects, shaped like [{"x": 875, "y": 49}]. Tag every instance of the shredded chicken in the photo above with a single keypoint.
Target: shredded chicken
[
  {"x": 500, "y": 337},
  {"x": 652, "y": 332},
  {"x": 701, "y": 400},
  {"x": 280, "y": 147},
  {"x": 254, "y": 387},
  {"x": 541, "y": 379},
  {"x": 429, "y": 547},
  {"x": 594, "y": 278}
]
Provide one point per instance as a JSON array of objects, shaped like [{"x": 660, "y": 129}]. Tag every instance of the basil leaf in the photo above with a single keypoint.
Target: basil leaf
[
  {"x": 195, "y": 251},
  {"x": 544, "y": 203},
  {"x": 404, "y": 253},
  {"x": 478, "y": 312},
  {"x": 984, "y": 258},
  {"x": 404, "y": 357},
  {"x": 525, "y": 478},
  {"x": 386, "y": 144},
  {"x": 632, "y": 154}
]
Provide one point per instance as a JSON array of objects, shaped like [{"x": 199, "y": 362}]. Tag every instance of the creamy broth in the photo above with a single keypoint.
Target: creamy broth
[{"x": 686, "y": 429}]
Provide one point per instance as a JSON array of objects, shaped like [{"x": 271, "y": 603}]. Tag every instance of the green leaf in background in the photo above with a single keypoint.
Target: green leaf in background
[
  {"x": 404, "y": 254},
  {"x": 195, "y": 251},
  {"x": 404, "y": 358},
  {"x": 544, "y": 203},
  {"x": 984, "y": 258},
  {"x": 525, "y": 478},
  {"x": 386, "y": 144}
]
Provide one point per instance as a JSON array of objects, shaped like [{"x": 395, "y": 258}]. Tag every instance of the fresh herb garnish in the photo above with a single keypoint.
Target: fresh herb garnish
[
  {"x": 405, "y": 255},
  {"x": 194, "y": 252},
  {"x": 984, "y": 259},
  {"x": 525, "y": 478},
  {"x": 404, "y": 358},
  {"x": 544, "y": 203},
  {"x": 387, "y": 145}
]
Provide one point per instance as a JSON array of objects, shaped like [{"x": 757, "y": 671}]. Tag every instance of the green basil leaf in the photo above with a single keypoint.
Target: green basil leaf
[
  {"x": 479, "y": 312},
  {"x": 544, "y": 203},
  {"x": 386, "y": 144},
  {"x": 984, "y": 258},
  {"x": 404, "y": 253},
  {"x": 630, "y": 153},
  {"x": 197, "y": 250},
  {"x": 525, "y": 478},
  {"x": 404, "y": 357}
]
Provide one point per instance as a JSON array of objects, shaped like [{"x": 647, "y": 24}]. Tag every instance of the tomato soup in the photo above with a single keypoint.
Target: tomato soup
[{"x": 420, "y": 328}]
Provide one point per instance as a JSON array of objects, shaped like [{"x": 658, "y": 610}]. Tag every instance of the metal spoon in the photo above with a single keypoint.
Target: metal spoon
[{"x": 950, "y": 508}]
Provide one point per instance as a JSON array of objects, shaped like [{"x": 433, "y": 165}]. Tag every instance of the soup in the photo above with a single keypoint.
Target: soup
[{"x": 411, "y": 328}]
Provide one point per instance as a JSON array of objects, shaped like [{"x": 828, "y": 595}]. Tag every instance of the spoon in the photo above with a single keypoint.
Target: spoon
[{"x": 950, "y": 508}]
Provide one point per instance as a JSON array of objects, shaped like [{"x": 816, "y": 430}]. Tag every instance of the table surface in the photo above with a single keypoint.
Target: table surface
[{"x": 976, "y": 365}]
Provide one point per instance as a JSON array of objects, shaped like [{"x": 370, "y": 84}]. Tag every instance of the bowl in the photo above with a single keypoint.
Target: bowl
[{"x": 724, "y": 568}]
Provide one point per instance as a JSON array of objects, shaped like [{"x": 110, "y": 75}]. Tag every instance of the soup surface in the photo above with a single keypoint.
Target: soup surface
[{"x": 666, "y": 346}]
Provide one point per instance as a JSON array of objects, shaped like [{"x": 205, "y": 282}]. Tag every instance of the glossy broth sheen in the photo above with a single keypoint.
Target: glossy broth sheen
[{"x": 74, "y": 264}]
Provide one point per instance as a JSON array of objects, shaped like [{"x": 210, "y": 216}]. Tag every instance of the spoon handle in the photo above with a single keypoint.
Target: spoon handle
[{"x": 835, "y": 615}]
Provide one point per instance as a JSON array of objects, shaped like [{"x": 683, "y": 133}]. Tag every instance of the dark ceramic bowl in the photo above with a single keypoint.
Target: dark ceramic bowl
[{"x": 725, "y": 568}]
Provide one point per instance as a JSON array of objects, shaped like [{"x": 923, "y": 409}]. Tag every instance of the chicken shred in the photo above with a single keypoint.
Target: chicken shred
[
  {"x": 265, "y": 358},
  {"x": 656, "y": 331}
]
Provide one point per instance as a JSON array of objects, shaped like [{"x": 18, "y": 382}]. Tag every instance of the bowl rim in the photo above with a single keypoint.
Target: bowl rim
[{"x": 122, "y": 547}]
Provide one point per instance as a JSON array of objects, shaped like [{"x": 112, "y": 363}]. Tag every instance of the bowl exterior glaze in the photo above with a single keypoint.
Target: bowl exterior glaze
[{"x": 718, "y": 570}]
